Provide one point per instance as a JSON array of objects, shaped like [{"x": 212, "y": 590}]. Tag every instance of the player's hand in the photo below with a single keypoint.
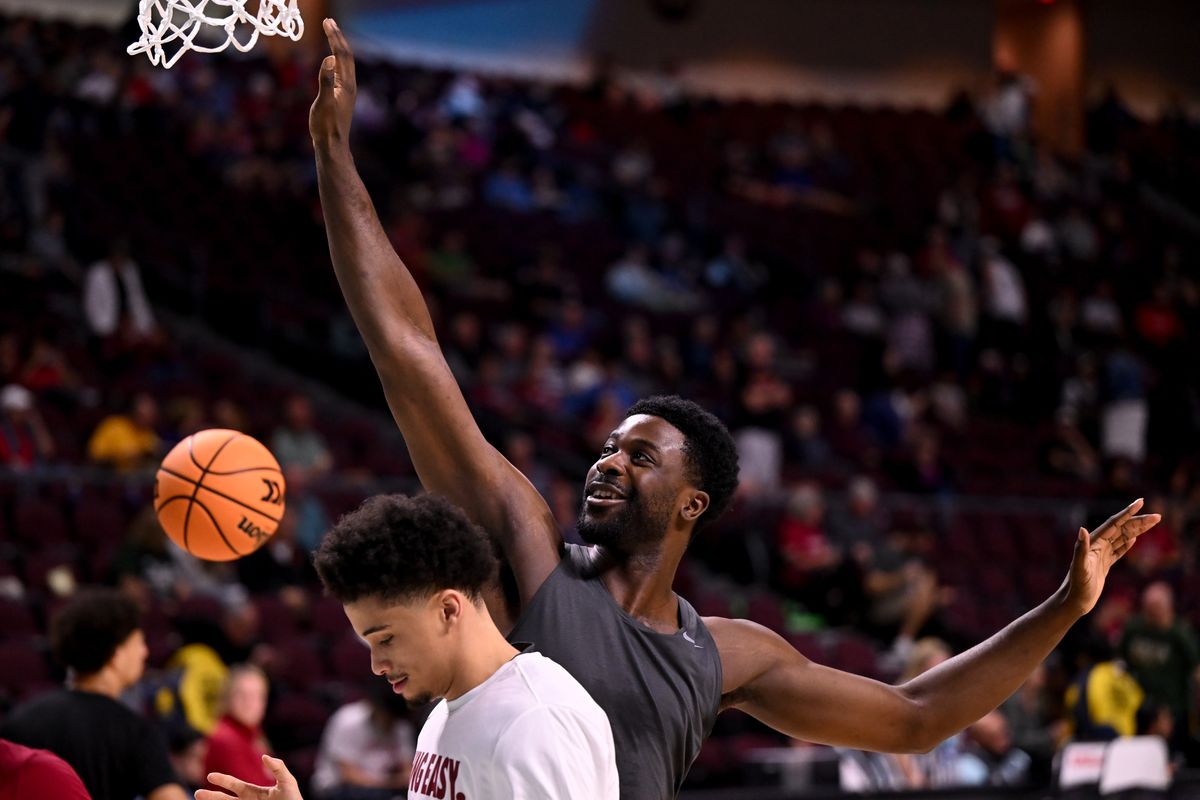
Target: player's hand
[
  {"x": 330, "y": 115},
  {"x": 285, "y": 787},
  {"x": 1096, "y": 552}
]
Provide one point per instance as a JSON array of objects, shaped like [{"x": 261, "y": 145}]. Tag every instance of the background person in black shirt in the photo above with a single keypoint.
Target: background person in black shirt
[{"x": 118, "y": 754}]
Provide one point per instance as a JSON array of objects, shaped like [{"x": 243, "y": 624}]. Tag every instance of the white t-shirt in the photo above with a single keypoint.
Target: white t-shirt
[
  {"x": 528, "y": 732},
  {"x": 351, "y": 737}
]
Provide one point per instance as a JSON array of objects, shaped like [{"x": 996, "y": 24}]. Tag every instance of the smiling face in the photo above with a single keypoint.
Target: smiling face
[
  {"x": 413, "y": 644},
  {"x": 636, "y": 489}
]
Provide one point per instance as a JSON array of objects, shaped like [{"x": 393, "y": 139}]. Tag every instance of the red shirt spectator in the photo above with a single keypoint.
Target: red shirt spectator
[
  {"x": 236, "y": 745},
  {"x": 1157, "y": 321},
  {"x": 237, "y": 750},
  {"x": 27, "y": 773}
]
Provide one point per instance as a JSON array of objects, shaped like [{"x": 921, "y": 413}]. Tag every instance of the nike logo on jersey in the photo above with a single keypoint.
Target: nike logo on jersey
[{"x": 693, "y": 641}]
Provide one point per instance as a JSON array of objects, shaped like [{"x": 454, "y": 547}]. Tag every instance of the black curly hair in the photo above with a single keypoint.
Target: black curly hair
[
  {"x": 712, "y": 459},
  {"x": 398, "y": 548},
  {"x": 86, "y": 633}
]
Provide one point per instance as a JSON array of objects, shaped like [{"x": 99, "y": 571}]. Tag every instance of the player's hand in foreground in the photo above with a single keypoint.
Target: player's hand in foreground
[
  {"x": 1095, "y": 553},
  {"x": 331, "y": 113},
  {"x": 285, "y": 787}
]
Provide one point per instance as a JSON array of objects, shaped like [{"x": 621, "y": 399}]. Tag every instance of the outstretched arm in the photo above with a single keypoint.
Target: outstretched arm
[
  {"x": 449, "y": 451},
  {"x": 768, "y": 679}
]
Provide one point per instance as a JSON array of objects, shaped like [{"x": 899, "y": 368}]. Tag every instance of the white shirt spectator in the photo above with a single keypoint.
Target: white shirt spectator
[
  {"x": 105, "y": 288},
  {"x": 529, "y": 731},
  {"x": 1100, "y": 314},
  {"x": 1005, "y": 290},
  {"x": 1007, "y": 112},
  {"x": 352, "y": 737}
]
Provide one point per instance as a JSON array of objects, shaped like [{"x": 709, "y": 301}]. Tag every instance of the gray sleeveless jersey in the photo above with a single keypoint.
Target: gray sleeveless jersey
[{"x": 661, "y": 691}]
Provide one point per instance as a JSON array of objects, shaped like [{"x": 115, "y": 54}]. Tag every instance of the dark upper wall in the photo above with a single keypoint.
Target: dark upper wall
[{"x": 1149, "y": 49}]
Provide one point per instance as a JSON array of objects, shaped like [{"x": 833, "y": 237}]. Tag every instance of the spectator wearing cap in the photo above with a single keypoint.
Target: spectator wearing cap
[{"x": 24, "y": 440}]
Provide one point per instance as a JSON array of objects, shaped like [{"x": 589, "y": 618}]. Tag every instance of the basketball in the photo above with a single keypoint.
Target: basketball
[{"x": 219, "y": 494}]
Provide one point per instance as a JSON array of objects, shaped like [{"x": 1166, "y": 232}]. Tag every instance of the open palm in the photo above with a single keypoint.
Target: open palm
[
  {"x": 1096, "y": 552},
  {"x": 285, "y": 787}
]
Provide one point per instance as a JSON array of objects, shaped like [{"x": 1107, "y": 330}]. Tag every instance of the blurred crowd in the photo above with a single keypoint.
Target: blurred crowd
[{"x": 879, "y": 303}]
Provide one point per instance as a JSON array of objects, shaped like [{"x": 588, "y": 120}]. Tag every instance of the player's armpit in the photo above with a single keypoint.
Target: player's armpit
[{"x": 769, "y": 680}]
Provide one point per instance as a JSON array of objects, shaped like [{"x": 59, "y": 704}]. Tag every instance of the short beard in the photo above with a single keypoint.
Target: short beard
[
  {"x": 420, "y": 701},
  {"x": 628, "y": 530}
]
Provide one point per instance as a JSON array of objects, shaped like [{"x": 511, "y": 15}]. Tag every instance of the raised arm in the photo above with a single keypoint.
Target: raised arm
[
  {"x": 449, "y": 451},
  {"x": 768, "y": 679}
]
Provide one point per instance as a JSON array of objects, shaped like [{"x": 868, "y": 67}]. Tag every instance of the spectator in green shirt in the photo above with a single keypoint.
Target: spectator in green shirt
[{"x": 1162, "y": 654}]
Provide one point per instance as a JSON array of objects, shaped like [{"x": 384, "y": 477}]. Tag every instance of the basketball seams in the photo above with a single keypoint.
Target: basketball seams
[
  {"x": 196, "y": 488},
  {"x": 246, "y": 506},
  {"x": 219, "y": 493},
  {"x": 221, "y": 473},
  {"x": 208, "y": 470},
  {"x": 217, "y": 527},
  {"x": 178, "y": 471}
]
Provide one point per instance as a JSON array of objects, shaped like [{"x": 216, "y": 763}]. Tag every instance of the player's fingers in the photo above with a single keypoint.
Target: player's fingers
[
  {"x": 1126, "y": 513},
  {"x": 1113, "y": 524},
  {"x": 1131, "y": 528},
  {"x": 209, "y": 794},
  {"x": 1142, "y": 523},
  {"x": 328, "y": 72},
  {"x": 1082, "y": 542},
  {"x": 341, "y": 49},
  {"x": 278, "y": 769},
  {"x": 238, "y": 787}
]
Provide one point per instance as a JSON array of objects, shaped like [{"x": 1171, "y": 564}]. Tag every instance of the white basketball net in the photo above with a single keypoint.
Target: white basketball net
[{"x": 171, "y": 27}]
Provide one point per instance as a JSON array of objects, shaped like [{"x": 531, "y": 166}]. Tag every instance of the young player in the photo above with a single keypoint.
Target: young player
[{"x": 410, "y": 573}]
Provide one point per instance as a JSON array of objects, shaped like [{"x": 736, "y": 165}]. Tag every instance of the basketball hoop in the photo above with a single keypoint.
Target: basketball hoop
[{"x": 177, "y": 24}]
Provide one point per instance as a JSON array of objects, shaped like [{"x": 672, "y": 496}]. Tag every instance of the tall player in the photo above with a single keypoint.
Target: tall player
[{"x": 607, "y": 612}]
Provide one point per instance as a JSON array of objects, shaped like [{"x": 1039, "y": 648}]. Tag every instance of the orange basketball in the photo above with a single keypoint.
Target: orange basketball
[{"x": 219, "y": 494}]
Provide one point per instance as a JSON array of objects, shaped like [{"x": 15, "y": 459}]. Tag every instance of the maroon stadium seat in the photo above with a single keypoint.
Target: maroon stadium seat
[
  {"x": 39, "y": 521},
  {"x": 22, "y": 663},
  {"x": 16, "y": 619},
  {"x": 99, "y": 520},
  {"x": 328, "y": 618},
  {"x": 298, "y": 664},
  {"x": 276, "y": 620},
  {"x": 350, "y": 660},
  {"x": 296, "y": 720}
]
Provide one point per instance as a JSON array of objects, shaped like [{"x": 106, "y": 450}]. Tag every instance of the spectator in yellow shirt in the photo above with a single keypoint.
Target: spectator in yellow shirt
[
  {"x": 127, "y": 441},
  {"x": 1103, "y": 700}
]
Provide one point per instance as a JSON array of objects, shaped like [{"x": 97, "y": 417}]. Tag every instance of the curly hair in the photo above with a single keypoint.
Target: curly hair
[
  {"x": 397, "y": 548},
  {"x": 87, "y": 632},
  {"x": 711, "y": 455}
]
